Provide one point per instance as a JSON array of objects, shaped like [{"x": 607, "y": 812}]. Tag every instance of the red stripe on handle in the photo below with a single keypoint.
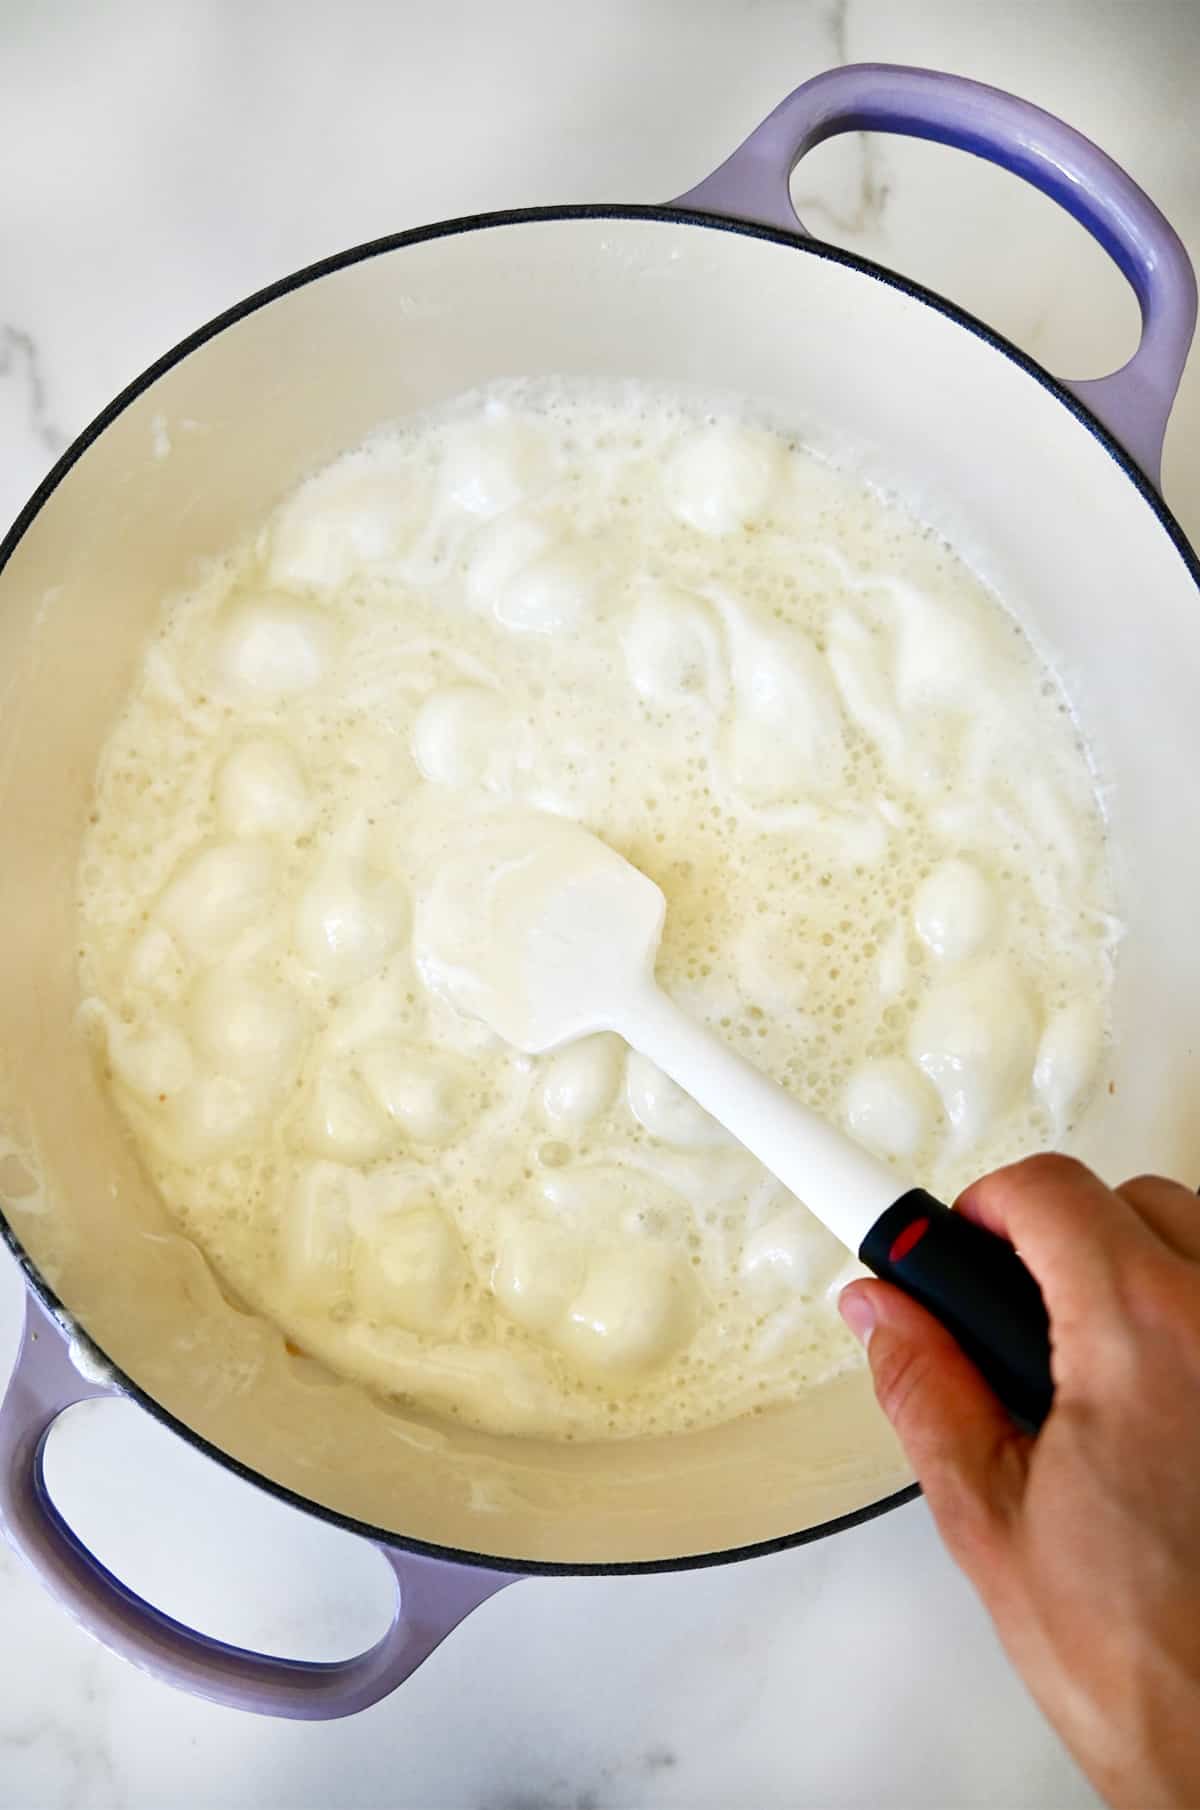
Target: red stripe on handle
[{"x": 908, "y": 1239}]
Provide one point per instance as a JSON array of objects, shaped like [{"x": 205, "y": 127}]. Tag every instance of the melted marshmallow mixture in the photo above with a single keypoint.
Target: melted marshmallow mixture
[{"x": 764, "y": 684}]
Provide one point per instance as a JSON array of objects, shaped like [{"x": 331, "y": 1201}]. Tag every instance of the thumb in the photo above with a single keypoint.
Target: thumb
[{"x": 971, "y": 1459}]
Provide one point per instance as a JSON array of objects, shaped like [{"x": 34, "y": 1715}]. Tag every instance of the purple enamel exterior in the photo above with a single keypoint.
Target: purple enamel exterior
[
  {"x": 432, "y": 1595},
  {"x": 1132, "y": 403}
]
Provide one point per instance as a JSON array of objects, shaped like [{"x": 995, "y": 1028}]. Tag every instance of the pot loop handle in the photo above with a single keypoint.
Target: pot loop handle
[
  {"x": 432, "y": 1595},
  {"x": 1132, "y": 403}
]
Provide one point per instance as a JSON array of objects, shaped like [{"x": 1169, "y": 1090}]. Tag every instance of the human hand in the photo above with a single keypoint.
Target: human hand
[{"x": 1084, "y": 1542}]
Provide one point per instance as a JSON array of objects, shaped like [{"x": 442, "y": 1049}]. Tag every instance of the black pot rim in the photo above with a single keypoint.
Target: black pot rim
[{"x": 667, "y": 215}]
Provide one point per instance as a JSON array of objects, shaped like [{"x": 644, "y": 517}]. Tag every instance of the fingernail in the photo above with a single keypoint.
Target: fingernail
[{"x": 858, "y": 1310}]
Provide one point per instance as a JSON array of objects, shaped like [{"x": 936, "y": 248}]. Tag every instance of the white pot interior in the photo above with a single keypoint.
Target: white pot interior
[{"x": 978, "y": 446}]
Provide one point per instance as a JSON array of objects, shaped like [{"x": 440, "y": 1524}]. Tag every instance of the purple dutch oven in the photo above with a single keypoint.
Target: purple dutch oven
[{"x": 1049, "y": 487}]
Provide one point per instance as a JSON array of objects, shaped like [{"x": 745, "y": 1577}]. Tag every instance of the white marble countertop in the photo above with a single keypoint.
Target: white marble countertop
[{"x": 158, "y": 162}]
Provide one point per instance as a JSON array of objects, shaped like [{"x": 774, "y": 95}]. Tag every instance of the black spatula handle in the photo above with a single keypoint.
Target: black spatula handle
[{"x": 978, "y": 1287}]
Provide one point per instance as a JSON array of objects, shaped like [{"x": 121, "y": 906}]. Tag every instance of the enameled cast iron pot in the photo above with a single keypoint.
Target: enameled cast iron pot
[{"x": 1049, "y": 488}]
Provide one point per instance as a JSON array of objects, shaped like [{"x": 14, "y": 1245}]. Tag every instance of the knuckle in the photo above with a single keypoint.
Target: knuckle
[
  {"x": 1049, "y": 1169},
  {"x": 1158, "y": 1290},
  {"x": 900, "y": 1372},
  {"x": 1149, "y": 1189},
  {"x": 1138, "y": 1184},
  {"x": 966, "y": 1522},
  {"x": 1014, "y": 1187}
]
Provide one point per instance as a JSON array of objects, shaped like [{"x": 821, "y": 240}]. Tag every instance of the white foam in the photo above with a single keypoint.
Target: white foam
[
  {"x": 501, "y": 552},
  {"x": 343, "y": 1121},
  {"x": 665, "y": 1110},
  {"x": 409, "y": 1269},
  {"x": 154, "y": 1061},
  {"x": 954, "y": 910},
  {"x": 632, "y": 1313},
  {"x": 216, "y": 894},
  {"x": 719, "y": 478},
  {"x": 316, "y": 1241},
  {"x": 260, "y": 790},
  {"x": 539, "y": 1270},
  {"x": 975, "y": 1037},
  {"x": 247, "y": 1028},
  {"x": 579, "y": 1083},
  {"x": 889, "y": 1107},
  {"x": 271, "y": 648},
  {"x": 1066, "y": 1059},
  {"x": 216, "y": 1116},
  {"x": 493, "y": 462},
  {"x": 417, "y": 1090},
  {"x": 348, "y": 922},
  {"x": 672, "y": 644},
  {"x": 557, "y": 591},
  {"x": 786, "y": 737},
  {"x": 155, "y": 969},
  {"x": 766, "y": 686},
  {"x": 353, "y": 519},
  {"x": 790, "y": 1254},
  {"x": 466, "y": 735}
]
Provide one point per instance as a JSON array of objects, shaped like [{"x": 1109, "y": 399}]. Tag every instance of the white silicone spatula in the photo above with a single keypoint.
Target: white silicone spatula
[{"x": 547, "y": 934}]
